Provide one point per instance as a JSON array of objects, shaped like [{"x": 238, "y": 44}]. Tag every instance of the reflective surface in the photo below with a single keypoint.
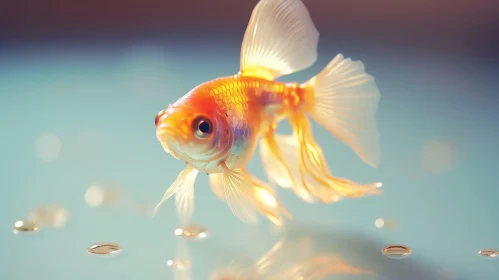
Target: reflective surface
[
  {"x": 104, "y": 248},
  {"x": 396, "y": 251},
  {"x": 24, "y": 226},
  {"x": 75, "y": 117},
  {"x": 489, "y": 253},
  {"x": 192, "y": 231}
]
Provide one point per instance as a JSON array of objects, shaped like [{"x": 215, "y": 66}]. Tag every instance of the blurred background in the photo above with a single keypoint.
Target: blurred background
[{"x": 80, "y": 85}]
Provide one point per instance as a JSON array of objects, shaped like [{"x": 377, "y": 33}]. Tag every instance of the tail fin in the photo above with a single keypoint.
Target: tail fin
[
  {"x": 344, "y": 99},
  {"x": 309, "y": 176}
]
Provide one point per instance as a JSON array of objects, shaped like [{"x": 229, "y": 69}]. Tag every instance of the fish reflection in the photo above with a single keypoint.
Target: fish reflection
[
  {"x": 291, "y": 260},
  {"x": 181, "y": 265},
  {"x": 312, "y": 253}
]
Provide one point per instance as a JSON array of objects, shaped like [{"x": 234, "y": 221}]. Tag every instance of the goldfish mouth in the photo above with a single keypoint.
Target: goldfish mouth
[
  {"x": 166, "y": 133},
  {"x": 170, "y": 138},
  {"x": 169, "y": 150},
  {"x": 171, "y": 147}
]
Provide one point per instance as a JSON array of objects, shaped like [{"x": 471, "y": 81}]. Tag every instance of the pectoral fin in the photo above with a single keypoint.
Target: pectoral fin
[
  {"x": 183, "y": 188},
  {"x": 237, "y": 189}
]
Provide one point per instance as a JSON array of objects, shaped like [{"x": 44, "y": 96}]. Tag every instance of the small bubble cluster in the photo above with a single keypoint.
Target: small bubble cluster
[{"x": 192, "y": 232}]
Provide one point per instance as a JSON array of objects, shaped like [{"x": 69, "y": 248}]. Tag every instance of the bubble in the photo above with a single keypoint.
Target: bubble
[
  {"x": 489, "y": 253},
  {"x": 396, "y": 251},
  {"x": 48, "y": 147},
  {"x": 104, "y": 248},
  {"x": 379, "y": 223},
  {"x": 192, "y": 232},
  {"x": 49, "y": 215},
  {"x": 386, "y": 223},
  {"x": 98, "y": 195},
  {"x": 438, "y": 156},
  {"x": 24, "y": 226}
]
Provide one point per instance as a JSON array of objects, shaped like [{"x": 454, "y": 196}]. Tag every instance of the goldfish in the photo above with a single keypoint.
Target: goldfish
[{"x": 218, "y": 125}]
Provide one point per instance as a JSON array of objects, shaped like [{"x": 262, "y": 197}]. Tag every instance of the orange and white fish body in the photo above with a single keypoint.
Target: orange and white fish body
[{"x": 215, "y": 128}]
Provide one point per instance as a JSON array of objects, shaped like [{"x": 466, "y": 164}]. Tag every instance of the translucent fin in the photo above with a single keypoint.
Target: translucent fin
[
  {"x": 313, "y": 168},
  {"x": 280, "y": 163},
  {"x": 267, "y": 202},
  {"x": 280, "y": 39},
  {"x": 183, "y": 188},
  {"x": 344, "y": 101},
  {"x": 238, "y": 194},
  {"x": 184, "y": 197},
  {"x": 217, "y": 184},
  {"x": 262, "y": 195}
]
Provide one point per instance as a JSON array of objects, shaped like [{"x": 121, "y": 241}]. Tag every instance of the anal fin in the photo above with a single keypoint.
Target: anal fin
[{"x": 279, "y": 155}]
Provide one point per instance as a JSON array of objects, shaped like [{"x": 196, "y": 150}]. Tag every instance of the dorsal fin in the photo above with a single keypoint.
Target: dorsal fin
[{"x": 280, "y": 39}]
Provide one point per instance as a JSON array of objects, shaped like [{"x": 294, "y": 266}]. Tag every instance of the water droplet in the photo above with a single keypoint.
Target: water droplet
[
  {"x": 179, "y": 264},
  {"x": 489, "y": 253},
  {"x": 48, "y": 147},
  {"x": 104, "y": 248},
  {"x": 192, "y": 232},
  {"x": 49, "y": 215},
  {"x": 386, "y": 223},
  {"x": 379, "y": 223},
  {"x": 24, "y": 226},
  {"x": 98, "y": 195},
  {"x": 396, "y": 251}
]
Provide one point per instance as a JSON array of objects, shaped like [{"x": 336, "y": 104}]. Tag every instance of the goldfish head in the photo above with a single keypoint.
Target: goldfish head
[{"x": 195, "y": 131}]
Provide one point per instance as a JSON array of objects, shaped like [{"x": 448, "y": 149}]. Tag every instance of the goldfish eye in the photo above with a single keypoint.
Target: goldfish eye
[
  {"x": 202, "y": 126},
  {"x": 158, "y": 116},
  {"x": 156, "y": 120}
]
